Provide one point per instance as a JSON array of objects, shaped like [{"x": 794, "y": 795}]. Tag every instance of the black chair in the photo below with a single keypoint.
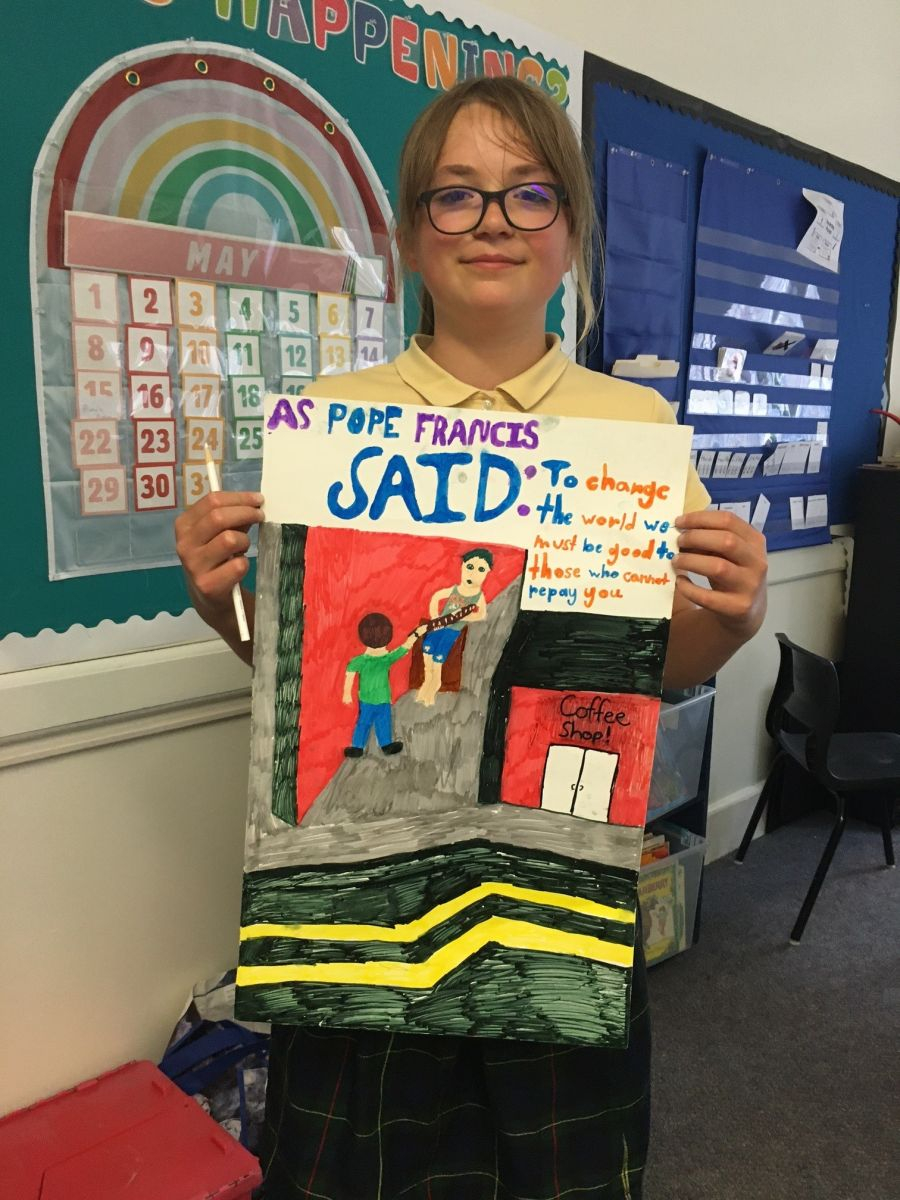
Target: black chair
[{"x": 800, "y": 719}]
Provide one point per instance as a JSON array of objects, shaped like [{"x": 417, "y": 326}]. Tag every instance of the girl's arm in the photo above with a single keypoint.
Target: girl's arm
[
  {"x": 212, "y": 542},
  {"x": 710, "y": 624}
]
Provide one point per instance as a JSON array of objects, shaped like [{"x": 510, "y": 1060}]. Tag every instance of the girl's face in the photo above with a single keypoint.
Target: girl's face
[{"x": 495, "y": 269}]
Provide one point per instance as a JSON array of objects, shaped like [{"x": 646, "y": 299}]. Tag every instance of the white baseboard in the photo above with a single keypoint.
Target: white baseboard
[{"x": 727, "y": 819}]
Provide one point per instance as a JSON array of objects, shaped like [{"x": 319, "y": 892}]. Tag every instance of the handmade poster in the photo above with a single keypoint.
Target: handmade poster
[{"x": 460, "y": 635}]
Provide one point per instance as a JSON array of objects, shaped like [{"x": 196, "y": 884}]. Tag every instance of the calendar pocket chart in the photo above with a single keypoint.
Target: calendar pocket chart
[{"x": 180, "y": 319}]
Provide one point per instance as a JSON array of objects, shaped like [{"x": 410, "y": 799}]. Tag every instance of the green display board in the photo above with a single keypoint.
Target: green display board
[{"x": 207, "y": 190}]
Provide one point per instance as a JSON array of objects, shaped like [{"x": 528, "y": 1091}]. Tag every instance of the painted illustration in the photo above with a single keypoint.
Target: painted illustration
[{"x": 454, "y": 717}]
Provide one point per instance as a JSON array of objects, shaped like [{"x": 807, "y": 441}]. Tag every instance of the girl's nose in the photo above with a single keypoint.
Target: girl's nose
[{"x": 493, "y": 220}]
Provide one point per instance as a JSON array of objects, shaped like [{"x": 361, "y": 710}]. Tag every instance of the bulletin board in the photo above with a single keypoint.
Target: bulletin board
[
  {"x": 199, "y": 203},
  {"x": 703, "y": 213}
]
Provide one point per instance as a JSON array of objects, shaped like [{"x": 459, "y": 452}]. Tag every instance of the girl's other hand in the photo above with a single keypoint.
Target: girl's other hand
[{"x": 731, "y": 554}]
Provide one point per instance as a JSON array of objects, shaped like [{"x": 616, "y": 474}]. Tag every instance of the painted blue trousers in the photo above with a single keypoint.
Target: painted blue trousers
[{"x": 378, "y": 715}]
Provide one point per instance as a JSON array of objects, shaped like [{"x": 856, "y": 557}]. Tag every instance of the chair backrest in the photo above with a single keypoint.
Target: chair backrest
[{"x": 806, "y": 699}]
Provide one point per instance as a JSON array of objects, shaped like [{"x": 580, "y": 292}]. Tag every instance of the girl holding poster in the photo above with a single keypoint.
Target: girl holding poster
[{"x": 495, "y": 208}]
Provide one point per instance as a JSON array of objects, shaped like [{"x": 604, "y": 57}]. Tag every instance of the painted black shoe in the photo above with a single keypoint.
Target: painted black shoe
[
  {"x": 392, "y": 748},
  {"x": 352, "y": 752}
]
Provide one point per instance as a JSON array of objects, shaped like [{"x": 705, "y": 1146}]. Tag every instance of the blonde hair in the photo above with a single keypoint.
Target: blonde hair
[{"x": 546, "y": 130}]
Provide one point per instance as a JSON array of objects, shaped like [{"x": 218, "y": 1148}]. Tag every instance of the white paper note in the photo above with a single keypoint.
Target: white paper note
[
  {"x": 749, "y": 470},
  {"x": 734, "y": 467},
  {"x": 760, "y": 404},
  {"x": 794, "y": 460},
  {"x": 731, "y": 362},
  {"x": 822, "y": 241},
  {"x": 701, "y": 401},
  {"x": 825, "y": 349},
  {"x": 742, "y": 404},
  {"x": 723, "y": 458},
  {"x": 705, "y": 463},
  {"x": 725, "y": 402},
  {"x": 798, "y": 517},
  {"x": 772, "y": 465},
  {"x": 784, "y": 342},
  {"x": 740, "y": 508},
  {"x": 816, "y": 512},
  {"x": 814, "y": 463},
  {"x": 758, "y": 520}
]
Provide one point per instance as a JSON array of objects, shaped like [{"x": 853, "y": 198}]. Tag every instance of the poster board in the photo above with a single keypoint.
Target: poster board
[{"x": 461, "y": 630}]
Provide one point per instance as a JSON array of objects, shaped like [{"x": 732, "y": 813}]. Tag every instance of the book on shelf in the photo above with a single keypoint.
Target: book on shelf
[{"x": 661, "y": 896}]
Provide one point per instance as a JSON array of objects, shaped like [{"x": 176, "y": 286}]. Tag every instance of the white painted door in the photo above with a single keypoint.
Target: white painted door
[
  {"x": 595, "y": 787},
  {"x": 579, "y": 782},
  {"x": 562, "y": 769}
]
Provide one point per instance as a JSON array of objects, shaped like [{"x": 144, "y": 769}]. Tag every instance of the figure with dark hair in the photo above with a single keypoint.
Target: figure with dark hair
[
  {"x": 373, "y": 668},
  {"x": 466, "y": 598}
]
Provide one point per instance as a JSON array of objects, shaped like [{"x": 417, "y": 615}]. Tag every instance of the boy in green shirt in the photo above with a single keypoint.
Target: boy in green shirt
[{"x": 373, "y": 668}]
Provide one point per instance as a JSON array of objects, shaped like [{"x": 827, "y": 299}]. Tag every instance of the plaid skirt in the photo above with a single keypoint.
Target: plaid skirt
[{"x": 378, "y": 1116}]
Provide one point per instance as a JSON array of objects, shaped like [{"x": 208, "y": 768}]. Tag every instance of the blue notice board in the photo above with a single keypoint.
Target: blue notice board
[{"x": 626, "y": 112}]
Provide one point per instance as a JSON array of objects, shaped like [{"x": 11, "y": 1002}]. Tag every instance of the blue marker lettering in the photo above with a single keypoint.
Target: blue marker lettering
[
  {"x": 493, "y": 462},
  {"x": 336, "y": 412},
  {"x": 360, "y": 498},
  {"x": 443, "y": 464},
  {"x": 397, "y": 481}
]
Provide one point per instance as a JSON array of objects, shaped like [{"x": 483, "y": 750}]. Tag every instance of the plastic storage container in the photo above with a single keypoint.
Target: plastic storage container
[
  {"x": 127, "y": 1135},
  {"x": 668, "y": 891},
  {"x": 680, "y": 738}
]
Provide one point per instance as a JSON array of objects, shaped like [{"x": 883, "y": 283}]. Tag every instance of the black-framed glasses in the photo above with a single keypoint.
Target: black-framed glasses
[{"x": 526, "y": 206}]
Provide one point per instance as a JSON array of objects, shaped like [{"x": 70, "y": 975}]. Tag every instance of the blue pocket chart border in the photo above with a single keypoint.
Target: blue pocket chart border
[{"x": 623, "y": 108}]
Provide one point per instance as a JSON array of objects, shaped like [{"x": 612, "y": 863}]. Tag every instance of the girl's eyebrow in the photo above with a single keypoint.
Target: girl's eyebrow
[{"x": 524, "y": 171}]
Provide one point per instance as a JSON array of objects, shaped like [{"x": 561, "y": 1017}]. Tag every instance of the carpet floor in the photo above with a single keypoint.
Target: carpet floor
[{"x": 777, "y": 1067}]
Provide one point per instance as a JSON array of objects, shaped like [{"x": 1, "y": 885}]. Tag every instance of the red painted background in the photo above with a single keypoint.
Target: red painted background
[
  {"x": 349, "y": 574},
  {"x": 536, "y": 723}
]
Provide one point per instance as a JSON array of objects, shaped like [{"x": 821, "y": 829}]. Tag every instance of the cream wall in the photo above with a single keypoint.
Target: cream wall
[{"x": 122, "y": 781}]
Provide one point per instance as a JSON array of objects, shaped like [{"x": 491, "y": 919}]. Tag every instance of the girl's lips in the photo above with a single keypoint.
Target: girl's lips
[{"x": 492, "y": 262}]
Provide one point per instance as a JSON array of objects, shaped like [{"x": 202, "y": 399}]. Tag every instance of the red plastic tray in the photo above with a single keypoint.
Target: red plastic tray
[{"x": 129, "y": 1134}]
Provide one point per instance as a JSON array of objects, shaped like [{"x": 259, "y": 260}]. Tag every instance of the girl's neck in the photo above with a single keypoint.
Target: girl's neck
[{"x": 488, "y": 351}]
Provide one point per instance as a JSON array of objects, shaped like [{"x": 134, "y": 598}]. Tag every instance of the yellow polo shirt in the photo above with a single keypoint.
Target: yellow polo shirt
[{"x": 554, "y": 386}]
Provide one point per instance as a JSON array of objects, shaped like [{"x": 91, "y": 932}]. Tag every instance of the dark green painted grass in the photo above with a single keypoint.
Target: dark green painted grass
[
  {"x": 287, "y": 673},
  {"x": 498, "y": 993},
  {"x": 399, "y": 888}
]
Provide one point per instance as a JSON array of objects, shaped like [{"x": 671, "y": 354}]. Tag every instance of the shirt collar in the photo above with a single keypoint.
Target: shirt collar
[{"x": 438, "y": 387}]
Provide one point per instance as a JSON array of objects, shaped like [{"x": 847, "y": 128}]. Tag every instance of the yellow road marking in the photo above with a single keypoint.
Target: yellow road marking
[
  {"x": 501, "y": 931},
  {"x": 413, "y": 930}
]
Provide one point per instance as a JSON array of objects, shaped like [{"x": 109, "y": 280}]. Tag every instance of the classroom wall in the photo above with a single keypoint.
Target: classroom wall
[{"x": 123, "y": 780}]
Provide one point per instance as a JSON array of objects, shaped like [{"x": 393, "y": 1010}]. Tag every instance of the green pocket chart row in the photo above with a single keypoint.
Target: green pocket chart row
[{"x": 208, "y": 189}]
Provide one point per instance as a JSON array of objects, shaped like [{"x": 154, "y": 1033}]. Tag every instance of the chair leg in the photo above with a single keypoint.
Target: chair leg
[
  {"x": 887, "y": 820},
  {"x": 821, "y": 871},
  {"x": 773, "y": 782}
]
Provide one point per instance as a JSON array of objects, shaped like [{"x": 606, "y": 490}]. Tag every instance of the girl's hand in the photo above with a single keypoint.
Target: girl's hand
[
  {"x": 732, "y": 555},
  {"x": 212, "y": 542}
]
